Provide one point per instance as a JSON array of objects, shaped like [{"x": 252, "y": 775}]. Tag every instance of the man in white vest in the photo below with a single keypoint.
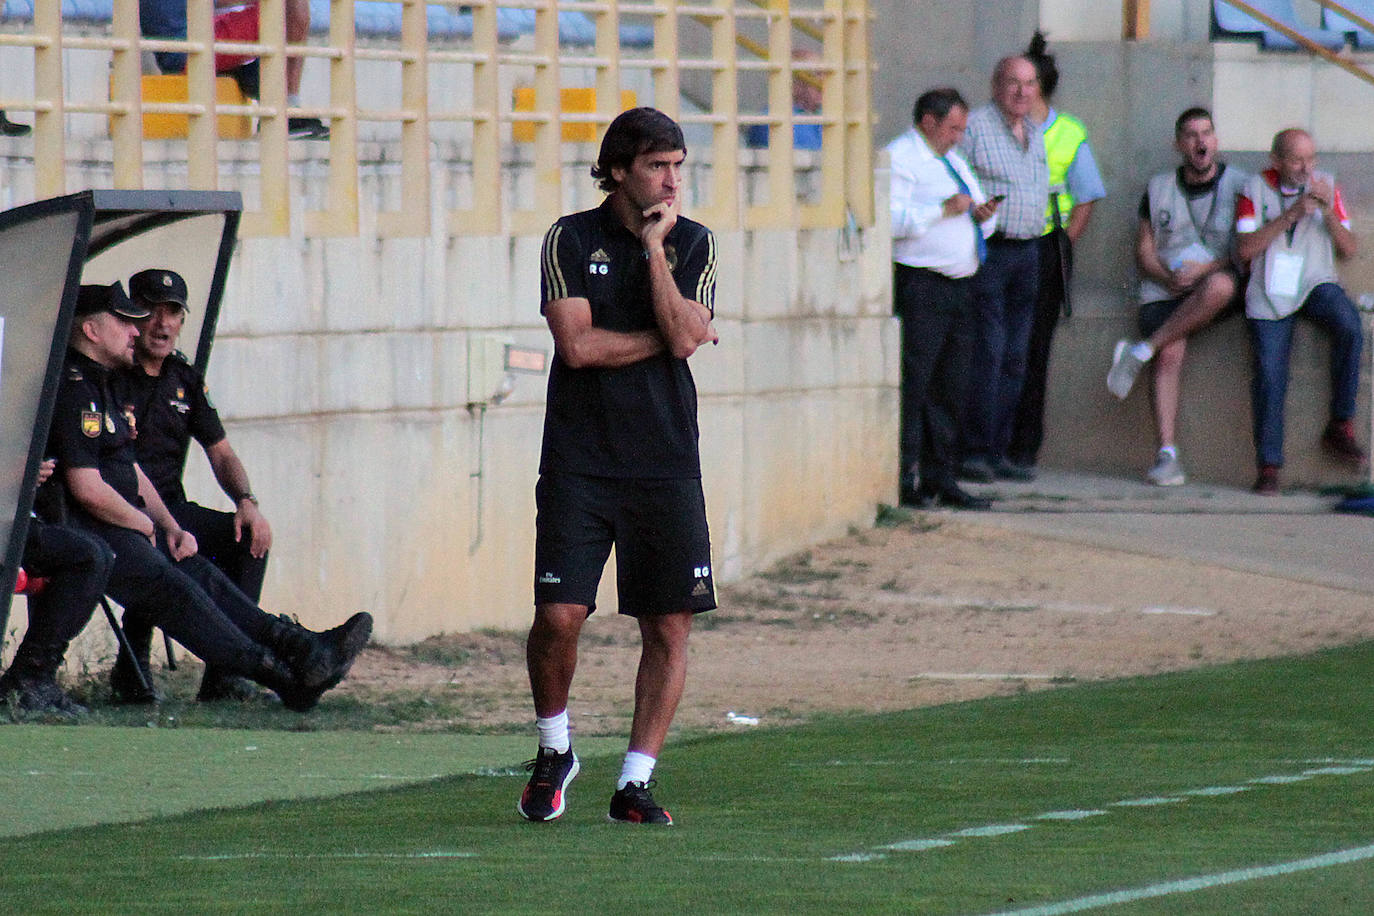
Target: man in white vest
[
  {"x": 1292, "y": 226},
  {"x": 1184, "y": 251}
]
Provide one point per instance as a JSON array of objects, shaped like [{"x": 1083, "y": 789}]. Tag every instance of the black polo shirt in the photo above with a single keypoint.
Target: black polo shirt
[
  {"x": 169, "y": 410},
  {"x": 89, "y": 429},
  {"x": 630, "y": 421}
]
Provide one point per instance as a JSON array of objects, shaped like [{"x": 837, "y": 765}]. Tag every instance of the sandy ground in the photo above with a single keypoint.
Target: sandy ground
[{"x": 935, "y": 610}]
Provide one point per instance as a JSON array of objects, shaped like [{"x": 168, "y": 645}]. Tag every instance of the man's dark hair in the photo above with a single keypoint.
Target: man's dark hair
[
  {"x": 634, "y": 133},
  {"x": 1046, "y": 71},
  {"x": 1197, "y": 112},
  {"x": 937, "y": 102}
]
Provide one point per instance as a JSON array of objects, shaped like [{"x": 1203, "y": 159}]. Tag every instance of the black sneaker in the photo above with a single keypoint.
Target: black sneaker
[
  {"x": 306, "y": 129},
  {"x": 634, "y": 805},
  {"x": 10, "y": 129},
  {"x": 544, "y": 797}
]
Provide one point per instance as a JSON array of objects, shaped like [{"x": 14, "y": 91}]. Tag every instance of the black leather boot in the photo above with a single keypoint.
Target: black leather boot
[
  {"x": 218, "y": 685},
  {"x": 31, "y": 683},
  {"x": 126, "y": 686},
  {"x": 317, "y": 661}
]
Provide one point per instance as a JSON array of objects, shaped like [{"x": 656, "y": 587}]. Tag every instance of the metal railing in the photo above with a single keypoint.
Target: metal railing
[
  {"x": 1136, "y": 25},
  {"x": 710, "y": 64}
]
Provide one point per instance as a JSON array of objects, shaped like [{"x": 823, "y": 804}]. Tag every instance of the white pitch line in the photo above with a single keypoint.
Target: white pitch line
[
  {"x": 1150, "y": 802},
  {"x": 1192, "y": 885},
  {"x": 995, "y": 830},
  {"x": 991, "y": 830},
  {"x": 1070, "y": 815},
  {"x": 1337, "y": 771},
  {"x": 1357, "y": 762},
  {"x": 1181, "y": 611},
  {"x": 917, "y": 845},
  {"x": 1216, "y": 791}
]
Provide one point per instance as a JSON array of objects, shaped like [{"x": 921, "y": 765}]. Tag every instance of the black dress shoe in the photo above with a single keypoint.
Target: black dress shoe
[
  {"x": 1011, "y": 470},
  {"x": 952, "y": 498},
  {"x": 977, "y": 470}
]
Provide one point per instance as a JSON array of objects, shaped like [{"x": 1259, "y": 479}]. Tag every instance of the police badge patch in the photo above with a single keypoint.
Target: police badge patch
[{"x": 90, "y": 423}]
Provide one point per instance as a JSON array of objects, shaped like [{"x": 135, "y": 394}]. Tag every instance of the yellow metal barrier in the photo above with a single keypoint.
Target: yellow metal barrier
[{"x": 704, "y": 57}]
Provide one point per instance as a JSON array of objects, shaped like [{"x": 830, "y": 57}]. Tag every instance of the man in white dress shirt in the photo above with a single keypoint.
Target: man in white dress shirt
[{"x": 940, "y": 222}]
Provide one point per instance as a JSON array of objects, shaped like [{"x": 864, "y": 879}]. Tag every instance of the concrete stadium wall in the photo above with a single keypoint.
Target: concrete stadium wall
[
  {"x": 342, "y": 369},
  {"x": 1128, "y": 94}
]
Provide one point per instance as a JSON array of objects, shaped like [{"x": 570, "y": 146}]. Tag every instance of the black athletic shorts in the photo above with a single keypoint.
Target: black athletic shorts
[
  {"x": 658, "y": 529},
  {"x": 1153, "y": 314}
]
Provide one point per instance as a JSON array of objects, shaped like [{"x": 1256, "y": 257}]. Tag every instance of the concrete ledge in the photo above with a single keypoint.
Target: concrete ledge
[{"x": 1087, "y": 429}]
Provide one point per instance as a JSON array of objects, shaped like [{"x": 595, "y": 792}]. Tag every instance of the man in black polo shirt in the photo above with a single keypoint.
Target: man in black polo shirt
[
  {"x": 628, "y": 291},
  {"x": 157, "y": 569},
  {"x": 171, "y": 404}
]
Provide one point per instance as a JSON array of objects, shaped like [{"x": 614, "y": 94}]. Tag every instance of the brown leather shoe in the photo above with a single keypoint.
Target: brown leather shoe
[
  {"x": 1339, "y": 441},
  {"x": 1267, "y": 483}
]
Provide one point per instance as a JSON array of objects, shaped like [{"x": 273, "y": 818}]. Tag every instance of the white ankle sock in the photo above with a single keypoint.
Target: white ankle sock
[
  {"x": 1143, "y": 351},
  {"x": 637, "y": 768},
  {"x": 553, "y": 732},
  {"x": 1170, "y": 450}
]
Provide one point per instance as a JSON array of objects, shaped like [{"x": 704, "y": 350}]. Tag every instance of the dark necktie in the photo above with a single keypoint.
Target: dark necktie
[{"x": 979, "y": 241}]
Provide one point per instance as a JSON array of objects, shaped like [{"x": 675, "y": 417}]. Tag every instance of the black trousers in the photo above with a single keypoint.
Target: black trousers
[
  {"x": 214, "y": 532},
  {"x": 937, "y": 351},
  {"x": 191, "y": 600},
  {"x": 76, "y": 565},
  {"x": 1028, "y": 426}
]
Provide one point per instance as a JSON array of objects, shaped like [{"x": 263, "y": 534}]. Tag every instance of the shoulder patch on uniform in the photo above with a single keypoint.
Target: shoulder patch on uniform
[{"x": 90, "y": 423}]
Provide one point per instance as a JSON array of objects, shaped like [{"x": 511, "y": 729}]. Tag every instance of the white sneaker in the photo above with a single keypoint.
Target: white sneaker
[
  {"x": 1125, "y": 367},
  {"x": 1167, "y": 471}
]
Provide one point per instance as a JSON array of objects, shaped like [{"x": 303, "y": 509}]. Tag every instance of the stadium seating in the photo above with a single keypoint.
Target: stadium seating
[
  {"x": 1360, "y": 38},
  {"x": 377, "y": 19},
  {"x": 1230, "y": 22}
]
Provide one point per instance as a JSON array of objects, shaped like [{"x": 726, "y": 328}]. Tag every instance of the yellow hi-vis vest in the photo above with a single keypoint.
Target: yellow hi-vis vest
[{"x": 1063, "y": 136}]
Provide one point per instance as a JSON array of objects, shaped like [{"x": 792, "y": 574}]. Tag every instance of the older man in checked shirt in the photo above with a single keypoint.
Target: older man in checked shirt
[{"x": 1007, "y": 152}]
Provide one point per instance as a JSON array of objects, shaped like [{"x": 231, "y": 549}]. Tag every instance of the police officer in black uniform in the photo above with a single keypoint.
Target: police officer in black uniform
[
  {"x": 76, "y": 566},
  {"x": 157, "y": 569},
  {"x": 171, "y": 404}
]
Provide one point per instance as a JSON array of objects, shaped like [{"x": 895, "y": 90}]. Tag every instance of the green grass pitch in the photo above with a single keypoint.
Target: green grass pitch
[{"x": 1036, "y": 803}]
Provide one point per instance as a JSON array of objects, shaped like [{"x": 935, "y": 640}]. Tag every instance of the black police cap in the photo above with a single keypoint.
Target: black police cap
[
  {"x": 158, "y": 285},
  {"x": 95, "y": 298}
]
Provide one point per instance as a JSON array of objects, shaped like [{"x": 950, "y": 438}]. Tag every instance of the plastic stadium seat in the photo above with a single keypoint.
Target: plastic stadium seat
[
  {"x": 372, "y": 19},
  {"x": 1361, "y": 38},
  {"x": 1230, "y": 22},
  {"x": 577, "y": 29},
  {"x": 73, "y": 10}
]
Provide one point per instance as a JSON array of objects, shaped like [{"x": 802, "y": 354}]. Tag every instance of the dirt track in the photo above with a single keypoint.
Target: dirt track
[{"x": 935, "y": 610}]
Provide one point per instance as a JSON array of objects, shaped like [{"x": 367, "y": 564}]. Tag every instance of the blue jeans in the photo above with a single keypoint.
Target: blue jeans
[
  {"x": 1272, "y": 340},
  {"x": 1004, "y": 291}
]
